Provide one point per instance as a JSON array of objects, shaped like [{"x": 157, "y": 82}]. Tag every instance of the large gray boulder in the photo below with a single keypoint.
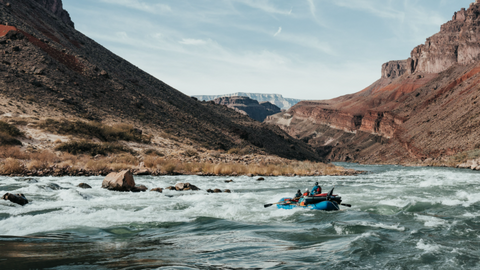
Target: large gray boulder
[{"x": 122, "y": 181}]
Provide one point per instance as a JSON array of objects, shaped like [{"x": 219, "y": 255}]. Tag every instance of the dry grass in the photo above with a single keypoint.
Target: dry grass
[
  {"x": 13, "y": 161},
  {"x": 11, "y": 166},
  {"x": 13, "y": 152}
]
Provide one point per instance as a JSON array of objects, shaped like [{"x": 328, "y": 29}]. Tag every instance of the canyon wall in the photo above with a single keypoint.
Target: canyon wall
[{"x": 422, "y": 108}]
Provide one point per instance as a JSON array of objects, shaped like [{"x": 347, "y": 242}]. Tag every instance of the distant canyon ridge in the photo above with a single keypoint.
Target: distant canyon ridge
[
  {"x": 423, "y": 110},
  {"x": 275, "y": 99}
]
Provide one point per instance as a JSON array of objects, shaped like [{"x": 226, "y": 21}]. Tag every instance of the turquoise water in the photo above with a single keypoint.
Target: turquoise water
[{"x": 401, "y": 218}]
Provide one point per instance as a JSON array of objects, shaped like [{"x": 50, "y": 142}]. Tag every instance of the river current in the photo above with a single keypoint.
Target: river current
[{"x": 401, "y": 218}]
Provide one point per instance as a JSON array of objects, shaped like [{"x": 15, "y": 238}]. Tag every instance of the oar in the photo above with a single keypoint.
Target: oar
[
  {"x": 347, "y": 205},
  {"x": 270, "y": 204}
]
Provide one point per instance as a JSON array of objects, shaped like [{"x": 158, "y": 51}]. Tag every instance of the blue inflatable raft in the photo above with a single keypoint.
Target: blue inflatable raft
[{"x": 286, "y": 203}]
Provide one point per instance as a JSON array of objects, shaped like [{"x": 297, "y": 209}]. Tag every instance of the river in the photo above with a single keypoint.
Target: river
[{"x": 401, "y": 218}]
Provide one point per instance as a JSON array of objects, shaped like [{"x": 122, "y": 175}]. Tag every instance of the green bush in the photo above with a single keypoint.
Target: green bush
[
  {"x": 94, "y": 129},
  {"x": 10, "y": 129},
  {"x": 91, "y": 148}
]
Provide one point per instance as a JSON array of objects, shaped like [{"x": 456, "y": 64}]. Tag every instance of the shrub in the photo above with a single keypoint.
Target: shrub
[
  {"x": 125, "y": 158},
  {"x": 95, "y": 129},
  {"x": 90, "y": 148},
  {"x": 11, "y": 166},
  {"x": 170, "y": 168},
  {"x": 233, "y": 151},
  {"x": 6, "y": 139},
  {"x": 12, "y": 152},
  {"x": 153, "y": 152},
  {"x": 10, "y": 129},
  {"x": 190, "y": 153},
  {"x": 36, "y": 165}
]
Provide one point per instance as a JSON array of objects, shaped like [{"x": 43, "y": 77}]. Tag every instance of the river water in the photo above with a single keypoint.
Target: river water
[{"x": 401, "y": 218}]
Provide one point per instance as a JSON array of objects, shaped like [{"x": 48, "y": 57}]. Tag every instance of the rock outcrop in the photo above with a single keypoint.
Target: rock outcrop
[
  {"x": 425, "y": 107},
  {"x": 250, "y": 107}
]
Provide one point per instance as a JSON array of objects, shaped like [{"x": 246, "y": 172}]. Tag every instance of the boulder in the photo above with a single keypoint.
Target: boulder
[
  {"x": 217, "y": 190},
  {"x": 227, "y": 191},
  {"x": 185, "y": 187},
  {"x": 228, "y": 181},
  {"x": 160, "y": 190},
  {"x": 122, "y": 181},
  {"x": 171, "y": 188},
  {"x": 209, "y": 191},
  {"x": 84, "y": 186},
  {"x": 261, "y": 179},
  {"x": 15, "y": 198},
  {"x": 139, "y": 188},
  {"x": 142, "y": 172}
]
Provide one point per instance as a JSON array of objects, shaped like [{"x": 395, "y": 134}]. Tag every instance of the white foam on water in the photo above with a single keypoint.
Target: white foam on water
[
  {"x": 428, "y": 248},
  {"x": 395, "y": 227},
  {"x": 430, "y": 221}
]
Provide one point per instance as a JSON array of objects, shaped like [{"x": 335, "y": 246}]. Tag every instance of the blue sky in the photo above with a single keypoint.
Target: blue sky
[{"x": 307, "y": 49}]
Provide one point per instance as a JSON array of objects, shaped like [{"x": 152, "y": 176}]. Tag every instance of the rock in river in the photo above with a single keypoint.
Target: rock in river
[
  {"x": 122, "y": 181},
  {"x": 15, "y": 198}
]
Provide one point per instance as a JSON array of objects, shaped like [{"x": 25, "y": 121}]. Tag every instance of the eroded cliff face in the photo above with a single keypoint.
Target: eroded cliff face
[{"x": 422, "y": 108}]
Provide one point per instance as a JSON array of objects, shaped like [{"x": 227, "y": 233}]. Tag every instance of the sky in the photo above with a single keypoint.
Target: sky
[{"x": 306, "y": 49}]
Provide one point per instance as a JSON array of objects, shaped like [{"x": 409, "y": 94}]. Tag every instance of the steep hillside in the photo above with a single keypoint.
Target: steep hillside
[
  {"x": 248, "y": 106},
  {"x": 276, "y": 99},
  {"x": 50, "y": 70},
  {"x": 423, "y": 109}
]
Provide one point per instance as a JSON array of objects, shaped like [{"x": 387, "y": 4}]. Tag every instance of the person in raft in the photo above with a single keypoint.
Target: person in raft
[
  {"x": 316, "y": 189},
  {"x": 302, "y": 200},
  {"x": 298, "y": 195}
]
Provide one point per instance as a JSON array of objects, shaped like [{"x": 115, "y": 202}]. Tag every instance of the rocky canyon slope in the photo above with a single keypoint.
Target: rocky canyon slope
[
  {"x": 50, "y": 70},
  {"x": 422, "y": 110}
]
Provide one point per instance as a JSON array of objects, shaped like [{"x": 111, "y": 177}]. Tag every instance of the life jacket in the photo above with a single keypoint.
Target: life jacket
[
  {"x": 305, "y": 194},
  {"x": 316, "y": 190}
]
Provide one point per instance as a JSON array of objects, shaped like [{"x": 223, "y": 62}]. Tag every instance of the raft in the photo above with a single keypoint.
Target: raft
[{"x": 314, "y": 203}]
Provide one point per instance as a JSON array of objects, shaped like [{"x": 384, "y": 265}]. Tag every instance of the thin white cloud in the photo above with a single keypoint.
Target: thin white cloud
[
  {"x": 141, "y": 5},
  {"x": 265, "y": 6},
  {"x": 191, "y": 41},
  {"x": 278, "y": 32}
]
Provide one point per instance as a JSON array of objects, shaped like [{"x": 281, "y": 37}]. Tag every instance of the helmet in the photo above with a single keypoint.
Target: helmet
[
  {"x": 298, "y": 190},
  {"x": 316, "y": 183},
  {"x": 306, "y": 189}
]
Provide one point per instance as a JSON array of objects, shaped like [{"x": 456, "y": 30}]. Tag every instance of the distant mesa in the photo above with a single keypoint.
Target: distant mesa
[
  {"x": 276, "y": 99},
  {"x": 245, "y": 105}
]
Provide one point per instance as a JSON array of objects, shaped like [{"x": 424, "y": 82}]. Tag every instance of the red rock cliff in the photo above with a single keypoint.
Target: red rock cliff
[{"x": 392, "y": 119}]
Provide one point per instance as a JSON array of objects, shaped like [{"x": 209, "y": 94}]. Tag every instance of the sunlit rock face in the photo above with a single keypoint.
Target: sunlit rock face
[{"x": 424, "y": 107}]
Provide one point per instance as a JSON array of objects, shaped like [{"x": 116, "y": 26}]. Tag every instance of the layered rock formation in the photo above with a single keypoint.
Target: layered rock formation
[
  {"x": 276, "y": 99},
  {"x": 248, "y": 106},
  {"x": 49, "y": 69},
  {"x": 422, "y": 108}
]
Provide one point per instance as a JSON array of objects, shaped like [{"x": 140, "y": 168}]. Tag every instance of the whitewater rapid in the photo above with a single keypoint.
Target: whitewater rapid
[{"x": 401, "y": 218}]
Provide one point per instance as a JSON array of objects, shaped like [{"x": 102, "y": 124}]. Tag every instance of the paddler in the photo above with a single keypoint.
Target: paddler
[
  {"x": 298, "y": 195},
  {"x": 316, "y": 189}
]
